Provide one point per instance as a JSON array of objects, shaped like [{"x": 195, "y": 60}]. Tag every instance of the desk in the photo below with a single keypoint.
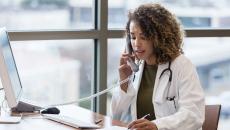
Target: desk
[{"x": 36, "y": 122}]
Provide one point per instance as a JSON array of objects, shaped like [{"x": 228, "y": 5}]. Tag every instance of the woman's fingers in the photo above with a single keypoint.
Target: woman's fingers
[
  {"x": 135, "y": 122},
  {"x": 124, "y": 68},
  {"x": 142, "y": 124},
  {"x": 125, "y": 57}
]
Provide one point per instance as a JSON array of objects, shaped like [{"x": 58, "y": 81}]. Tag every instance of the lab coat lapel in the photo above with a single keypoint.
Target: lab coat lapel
[{"x": 157, "y": 88}]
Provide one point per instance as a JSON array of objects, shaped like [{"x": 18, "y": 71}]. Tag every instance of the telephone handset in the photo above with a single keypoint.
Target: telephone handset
[{"x": 129, "y": 49}]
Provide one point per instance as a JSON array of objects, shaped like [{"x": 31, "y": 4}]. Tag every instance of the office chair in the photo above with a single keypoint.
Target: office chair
[{"x": 212, "y": 114}]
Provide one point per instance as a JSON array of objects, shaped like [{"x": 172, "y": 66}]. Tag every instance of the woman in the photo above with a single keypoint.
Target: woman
[{"x": 166, "y": 87}]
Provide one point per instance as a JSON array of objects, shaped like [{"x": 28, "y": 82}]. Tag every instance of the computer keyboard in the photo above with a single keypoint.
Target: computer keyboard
[{"x": 70, "y": 121}]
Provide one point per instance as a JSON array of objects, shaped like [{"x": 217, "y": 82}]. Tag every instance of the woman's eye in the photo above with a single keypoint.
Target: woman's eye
[
  {"x": 143, "y": 38},
  {"x": 133, "y": 38}
]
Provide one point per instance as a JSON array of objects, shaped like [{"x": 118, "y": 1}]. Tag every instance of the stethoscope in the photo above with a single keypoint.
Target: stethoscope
[
  {"x": 168, "y": 98},
  {"x": 170, "y": 72}
]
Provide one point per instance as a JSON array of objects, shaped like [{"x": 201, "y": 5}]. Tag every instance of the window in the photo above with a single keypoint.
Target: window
[{"x": 55, "y": 71}]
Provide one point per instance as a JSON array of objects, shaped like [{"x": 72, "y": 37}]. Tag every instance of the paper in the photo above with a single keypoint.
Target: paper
[
  {"x": 114, "y": 128},
  {"x": 9, "y": 120}
]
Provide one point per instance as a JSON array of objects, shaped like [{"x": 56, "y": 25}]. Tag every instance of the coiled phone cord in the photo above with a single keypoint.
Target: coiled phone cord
[{"x": 91, "y": 96}]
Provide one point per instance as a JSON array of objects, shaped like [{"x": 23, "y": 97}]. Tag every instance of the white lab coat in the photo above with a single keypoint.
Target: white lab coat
[{"x": 188, "y": 111}]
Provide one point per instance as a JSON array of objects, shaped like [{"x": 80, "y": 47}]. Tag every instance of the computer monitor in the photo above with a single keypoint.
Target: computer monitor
[
  {"x": 10, "y": 77},
  {"x": 8, "y": 71}
]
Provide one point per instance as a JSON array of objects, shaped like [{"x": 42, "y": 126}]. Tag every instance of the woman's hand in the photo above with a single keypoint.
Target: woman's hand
[
  {"x": 125, "y": 69},
  {"x": 142, "y": 124}
]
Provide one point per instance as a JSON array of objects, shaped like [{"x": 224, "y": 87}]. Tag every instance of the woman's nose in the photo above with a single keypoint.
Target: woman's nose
[{"x": 137, "y": 42}]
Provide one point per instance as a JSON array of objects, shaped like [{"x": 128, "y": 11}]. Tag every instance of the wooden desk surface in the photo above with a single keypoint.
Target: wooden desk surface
[{"x": 36, "y": 122}]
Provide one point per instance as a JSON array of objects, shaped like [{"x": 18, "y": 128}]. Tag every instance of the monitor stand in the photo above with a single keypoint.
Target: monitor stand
[
  {"x": 10, "y": 119},
  {"x": 6, "y": 118},
  {"x": 26, "y": 106}
]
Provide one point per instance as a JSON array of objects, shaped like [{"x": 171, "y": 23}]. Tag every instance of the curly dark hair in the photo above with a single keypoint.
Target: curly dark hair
[{"x": 161, "y": 27}]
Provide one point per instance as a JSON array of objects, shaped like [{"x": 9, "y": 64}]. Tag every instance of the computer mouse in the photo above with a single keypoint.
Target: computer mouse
[{"x": 51, "y": 110}]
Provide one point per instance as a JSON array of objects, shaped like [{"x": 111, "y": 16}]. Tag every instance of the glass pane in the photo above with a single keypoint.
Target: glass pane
[
  {"x": 117, "y": 13},
  {"x": 210, "y": 56},
  {"x": 55, "y": 71},
  {"x": 115, "y": 49},
  {"x": 190, "y": 12},
  {"x": 46, "y": 14}
]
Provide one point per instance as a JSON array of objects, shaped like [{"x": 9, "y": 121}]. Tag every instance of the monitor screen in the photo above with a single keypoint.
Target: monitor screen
[{"x": 8, "y": 71}]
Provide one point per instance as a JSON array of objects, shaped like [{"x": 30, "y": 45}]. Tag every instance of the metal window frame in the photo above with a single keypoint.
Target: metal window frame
[
  {"x": 97, "y": 34},
  {"x": 100, "y": 34}
]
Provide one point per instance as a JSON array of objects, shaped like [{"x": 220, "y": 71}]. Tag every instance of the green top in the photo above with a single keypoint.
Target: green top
[{"x": 144, "y": 96}]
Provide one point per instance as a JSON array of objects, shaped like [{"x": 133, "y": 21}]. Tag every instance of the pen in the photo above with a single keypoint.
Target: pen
[
  {"x": 98, "y": 121},
  {"x": 141, "y": 118},
  {"x": 145, "y": 116}
]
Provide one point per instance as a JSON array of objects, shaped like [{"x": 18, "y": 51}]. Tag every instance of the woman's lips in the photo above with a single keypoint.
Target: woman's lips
[{"x": 139, "y": 52}]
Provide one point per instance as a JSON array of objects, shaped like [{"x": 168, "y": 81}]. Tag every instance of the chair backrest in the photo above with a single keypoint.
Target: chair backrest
[{"x": 212, "y": 114}]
